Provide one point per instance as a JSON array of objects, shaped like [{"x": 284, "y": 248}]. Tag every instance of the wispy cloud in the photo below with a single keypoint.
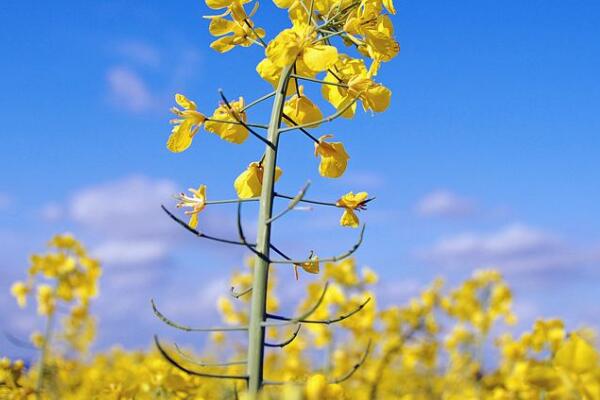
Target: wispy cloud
[
  {"x": 139, "y": 52},
  {"x": 516, "y": 248},
  {"x": 444, "y": 203},
  {"x": 128, "y": 91}
]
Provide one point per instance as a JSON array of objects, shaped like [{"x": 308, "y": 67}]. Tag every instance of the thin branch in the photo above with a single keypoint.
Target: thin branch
[
  {"x": 24, "y": 344},
  {"x": 200, "y": 234},
  {"x": 300, "y": 318},
  {"x": 315, "y": 321},
  {"x": 341, "y": 379},
  {"x": 326, "y": 119},
  {"x": 262, "y": 42},
  {"x": 243, "y": 237},
  {"x": 306, "y": 78},
  {"x": 294, "y": 123},
  {"x": 328, "y": 36},
  {"x": 237, "y": 122},
  {"x": 169, "y": 322},
  {"x": 180, "y": 367},
  {"x": 355, "y": 367},
  {"x": 259, "y": 100},
  {"x": 229, "y": 201},
  {"x": 320, "y": 203},
  {"x": 288, "y": 341},
  {"x": 245, "y": 125},
  {"x": 237, "y": 295},
  {"x": 191, "y": 360},
  {"x": 330, "y": 259},
  {"x": 292, "y": 203}
]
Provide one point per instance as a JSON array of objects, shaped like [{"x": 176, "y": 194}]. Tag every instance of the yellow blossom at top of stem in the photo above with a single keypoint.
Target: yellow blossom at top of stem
[
  {"x": 353, "y": 73},
  {"x": 225, "y": 122},
  {"x": 186, "y": 126},
  {"x": 20, "y": 290},
  {"x": 376, "y": 32},
  {"x": 351, "y": 202},
  {"x": 249, "y": 183},
  {"x": 334, "y": 158},
  {"x": 301, "y": 110},
  {"x": 299, "y": 43},
  {"x": 234, "y": 33},
  {"x": 197, "y": 203}
]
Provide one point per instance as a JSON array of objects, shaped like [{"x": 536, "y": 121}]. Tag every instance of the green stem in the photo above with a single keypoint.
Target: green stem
[
  {"x": 256, "y": 330},
  {"x": 44, "y": 356}
]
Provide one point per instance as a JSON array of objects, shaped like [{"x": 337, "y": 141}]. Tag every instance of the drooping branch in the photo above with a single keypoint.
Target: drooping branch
[
  {"x": 326, "y": 119},
  {"x": 24, "y": 344},
  {"x": 180, "y": 367},
  {"x": 191, "y": 360},
  {"x": 355, "y": 367},
  {"x": 292, "y": 203},
  {"x": 176, "y": 325},
  {"x": 286, "y": 342},
  {"x": 338, "y": 380},
  {"x": 330, "y": 259},
  {"x": 243, "y": 237},
  {"x": 287, "y": 321},
  {"x": 198, "y": 233},
  {"x": 294, "y": 123},
  {"x": 244, "y": 124},
  {"x": 300, "y": 318}
]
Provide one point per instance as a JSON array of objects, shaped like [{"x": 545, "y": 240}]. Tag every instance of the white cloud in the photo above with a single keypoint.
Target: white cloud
[
  {"x": 51, "y": 212},
  {"x": 515, "y": 247},
  {"x": 139, "y": 52},
  {"x": 444, "y": 203},
  {"x": 128, "y": 207},
  {"x": 128, "y": 90},
  {"x": 126, "y": 252}
]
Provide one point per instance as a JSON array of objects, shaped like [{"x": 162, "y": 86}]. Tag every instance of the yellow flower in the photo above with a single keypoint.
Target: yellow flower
[
  {"x": 230, "y": 129},
  {"x": 242, "y": 33},
  {"x": 37, "y": 339},
  {"x": 249, "y": 183},
  {"x": 334, "y": 158},
  {"x": 20, "y": 291},
  {"x": 376, "y": 30},
  {"x": 298, "y": 43},
  {"x": 197, "y": 203},
  {"x": 46, "y": 300},
  {"x": 312, "y": 266},
  {"x": 577, "y": 355},
  {"x": 186, "y": 126},
  {"x": 353, "y": 73},
  {"x": 301, "y": 110},
  {"x": 351, "y": 202}
]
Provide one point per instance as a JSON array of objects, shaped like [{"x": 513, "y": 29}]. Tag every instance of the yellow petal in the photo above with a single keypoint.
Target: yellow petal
[
  {"x": 217, "y": 4},
  {"x": 577, "y": 355},
  {"x": 320, "y": 57},
  {"x": 377, "y": 98},
  {"x": 193, "y": 221},
  {"x": 249, "y": 184},
  {"x": 349, "y": 218},
  {"x": 220, "y": 26},
  {"x": 223, "y": 44},
  {"x": 181, "y": 137},
  {"x": 185, "y": 102}
]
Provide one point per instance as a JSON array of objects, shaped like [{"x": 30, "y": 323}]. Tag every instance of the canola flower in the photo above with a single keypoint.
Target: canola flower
[{"x": 426, "y": 348}]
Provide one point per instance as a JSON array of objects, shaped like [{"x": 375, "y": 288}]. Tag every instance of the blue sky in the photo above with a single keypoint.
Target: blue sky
[{"x": 488, "y": 155}]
